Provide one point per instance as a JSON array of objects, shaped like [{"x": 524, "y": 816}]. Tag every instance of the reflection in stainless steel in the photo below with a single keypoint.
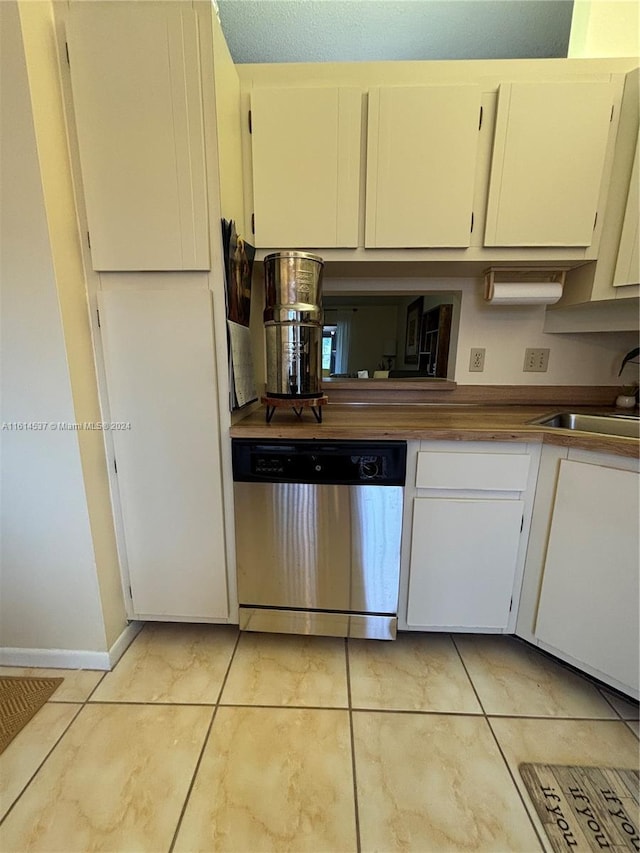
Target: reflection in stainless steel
[
  {"x": 318, "y": 547},
  {"x": 293, "y": 323},
  {"x": 298, "y": 545},
  {"x": 293, "y": 358},
  {"x": 375, "y": 544},
  {"x": 365, "y": 627}
]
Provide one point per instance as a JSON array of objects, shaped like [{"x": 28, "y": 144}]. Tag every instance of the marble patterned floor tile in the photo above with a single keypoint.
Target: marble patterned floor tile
[
  {"x": 430, "y": 782},
  {"x": 171, "y": 662},
  {"x": 514, "y": 679},
  {"x": 282, "y": 669},
  {"x": 417, "y": 672},
  {"x": 76, "y": 687},
  {"x": 30, "y": 747},
  {"x": 596, "y": 743},
  {"x": 627, "y": 708},
  {"x": 117, "y": 781},
  {"x": 273, "y": 779}
]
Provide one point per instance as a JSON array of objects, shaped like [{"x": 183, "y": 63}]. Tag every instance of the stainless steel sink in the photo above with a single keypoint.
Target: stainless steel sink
[{"x": 626, "y": 426}]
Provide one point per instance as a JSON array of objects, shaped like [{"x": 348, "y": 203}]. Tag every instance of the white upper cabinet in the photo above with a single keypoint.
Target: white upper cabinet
[
  {"x": 421, "y": 165},
  {"x": 306, "y": 166},
  {"x": 548, "y": 158},
  {"x": 135, "y": 78}
]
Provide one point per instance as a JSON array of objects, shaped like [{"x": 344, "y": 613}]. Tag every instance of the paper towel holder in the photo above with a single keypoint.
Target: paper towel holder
[{"x": 524, "y": 275}]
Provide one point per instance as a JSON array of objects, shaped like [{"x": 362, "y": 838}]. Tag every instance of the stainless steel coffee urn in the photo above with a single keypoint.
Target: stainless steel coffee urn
[{"x": 293, "y": 324}]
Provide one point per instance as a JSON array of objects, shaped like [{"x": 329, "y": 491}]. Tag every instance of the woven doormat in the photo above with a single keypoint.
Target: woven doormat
[
  {"x": 20, "y": 699},
  {"x": 585, "y": 808}
]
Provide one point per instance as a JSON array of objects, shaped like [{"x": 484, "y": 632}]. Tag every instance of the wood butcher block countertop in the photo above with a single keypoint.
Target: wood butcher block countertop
[{"x": 359, "y": 421}]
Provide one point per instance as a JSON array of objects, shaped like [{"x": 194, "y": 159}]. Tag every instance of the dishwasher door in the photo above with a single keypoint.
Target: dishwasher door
[{"x": 316, "y": 554}]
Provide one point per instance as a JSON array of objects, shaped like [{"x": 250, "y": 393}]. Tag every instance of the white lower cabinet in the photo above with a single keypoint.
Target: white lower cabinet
[
  {"x": 160, "y": 369},
  {"x": 463, "y": 561},
  {"x": 469, "y": 513},
  {"x": 588, "y": 610}
]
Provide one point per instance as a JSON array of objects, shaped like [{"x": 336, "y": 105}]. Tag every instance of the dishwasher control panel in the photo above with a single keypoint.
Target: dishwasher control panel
[{"x": 378, "y": 463}]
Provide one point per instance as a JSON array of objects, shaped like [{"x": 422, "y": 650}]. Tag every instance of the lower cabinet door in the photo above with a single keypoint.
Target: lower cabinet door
[
  {"x": 463, "y": 562},
  {"x": 160, "y": 367},
  {"x": 589, "y": 599}
]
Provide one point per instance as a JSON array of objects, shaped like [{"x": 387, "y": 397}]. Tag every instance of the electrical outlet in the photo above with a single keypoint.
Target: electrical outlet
[
  {"x": 536, "y": 361},
  {"x": 476, "y": 360}
]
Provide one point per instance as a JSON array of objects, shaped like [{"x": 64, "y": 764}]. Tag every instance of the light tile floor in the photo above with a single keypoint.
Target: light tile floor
[{"x": 202, "y": 739}]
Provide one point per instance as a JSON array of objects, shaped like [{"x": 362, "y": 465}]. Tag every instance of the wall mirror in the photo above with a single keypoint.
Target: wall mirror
[{"x": 390, "y": 336}]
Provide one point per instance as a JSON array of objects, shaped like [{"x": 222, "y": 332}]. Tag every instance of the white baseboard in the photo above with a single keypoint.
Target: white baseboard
[
  {"x": 55, "y": 658},
  {"x": 123, "y": 642},
  {"x": 71, "y": 658}
]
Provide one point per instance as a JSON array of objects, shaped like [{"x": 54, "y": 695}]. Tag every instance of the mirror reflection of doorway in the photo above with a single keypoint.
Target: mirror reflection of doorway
[
  {"x": 368, "y": 332},
  {"x": 435, "y": 337},
  {"x": 328, "y": 350}
]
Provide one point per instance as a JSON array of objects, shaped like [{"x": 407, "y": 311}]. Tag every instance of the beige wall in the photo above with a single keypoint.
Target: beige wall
[
  {"x": 38, "y": 30},
  {"x": 505, "y": 331},
  {"x": 603, "y": 28},
  {"x": 49, "y": 596},
  {"x": 33, "y": 86}
]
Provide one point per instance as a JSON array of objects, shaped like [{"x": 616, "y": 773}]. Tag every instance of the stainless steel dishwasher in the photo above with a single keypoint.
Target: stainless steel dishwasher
[{"x": 318, "y": 529}]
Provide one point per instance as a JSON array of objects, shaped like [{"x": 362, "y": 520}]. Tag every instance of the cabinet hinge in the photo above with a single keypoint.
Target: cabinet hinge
[
  {"x": 88, "y": 239},
  {"x": 98, "y": 313},
  {"x": 595, "y": 219},
  {"x": 253, "y": 223},
  {"x": 511, "y": 604},
  {"x": 613, "y": 106},
  {"x": 472, "y": 221},
  {"x": 66, "y": 50},
  {"x": 130, "y": 591},
  {"x": 522, "y": 524},
  {"x": 115, "y": 465},
  {"x": 480, "y": 122},
  {"x": 250, "y": 123}
]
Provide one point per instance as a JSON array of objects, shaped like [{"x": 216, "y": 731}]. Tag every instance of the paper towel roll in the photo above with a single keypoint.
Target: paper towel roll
[{"x": 522, "y": 293}]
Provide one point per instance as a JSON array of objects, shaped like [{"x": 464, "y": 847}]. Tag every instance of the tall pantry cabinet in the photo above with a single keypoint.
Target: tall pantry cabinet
[{"x": 142, "y": 110}]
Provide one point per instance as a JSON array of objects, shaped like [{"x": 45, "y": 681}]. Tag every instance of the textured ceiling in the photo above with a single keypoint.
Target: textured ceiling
[{"x": 358, "y": 30}]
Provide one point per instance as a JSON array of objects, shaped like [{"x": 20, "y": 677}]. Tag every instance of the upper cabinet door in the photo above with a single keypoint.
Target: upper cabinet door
[
  {"x": 306, "y": 167},
  {"x": 627, "y": 269},
  {"x": 421, "y": 165},
  {"x": 136, "y": 90},
  {"x": 548, "y": 158}
]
